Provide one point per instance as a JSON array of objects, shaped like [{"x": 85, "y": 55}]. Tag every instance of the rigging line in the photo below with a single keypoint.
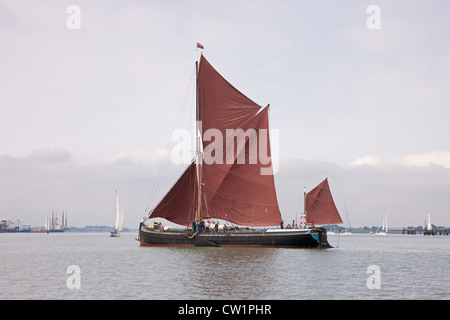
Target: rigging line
[
  {"x": 206, "y": 204},
  {"x": 300, "y": 204},
  {"x": 348, "y": 217},
  {"x": 178, "y": 121},
  {"x": 163, "y": 168},
  {"x": 172, "y": 187},
  {"x": 339, "y": 236}
]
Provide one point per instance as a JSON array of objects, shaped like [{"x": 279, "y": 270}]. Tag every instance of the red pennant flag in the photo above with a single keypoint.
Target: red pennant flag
[{"x": 200, "y": 46}]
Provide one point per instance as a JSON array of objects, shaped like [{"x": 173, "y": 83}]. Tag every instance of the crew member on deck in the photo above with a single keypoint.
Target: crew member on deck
[{"x": 201, "y": 226}]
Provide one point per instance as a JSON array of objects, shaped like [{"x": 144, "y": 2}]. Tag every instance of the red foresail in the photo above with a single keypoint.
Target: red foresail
[
  {"x": 179, "y": 204},
  {"x": 238, "y": 184},
  {"x": 320, "y": 207}
]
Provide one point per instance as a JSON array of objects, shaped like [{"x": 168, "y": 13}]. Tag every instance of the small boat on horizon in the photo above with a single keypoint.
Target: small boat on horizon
[
  {"x": 119, "y": 219},
  {"x": 384, "y": 228},
  {"x": 346, "y": 232}
]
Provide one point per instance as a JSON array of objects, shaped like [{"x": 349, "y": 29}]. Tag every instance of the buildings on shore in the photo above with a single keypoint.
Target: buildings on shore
[
  {"x": 52, "y": 224},
  {"x": 13, "y": 225}
]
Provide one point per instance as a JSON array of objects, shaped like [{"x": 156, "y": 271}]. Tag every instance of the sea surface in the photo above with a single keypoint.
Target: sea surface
[{"x": 361, "y": 266}]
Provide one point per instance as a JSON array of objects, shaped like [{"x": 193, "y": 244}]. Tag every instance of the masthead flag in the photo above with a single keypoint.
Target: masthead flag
[{"x": 200, "y": 46}]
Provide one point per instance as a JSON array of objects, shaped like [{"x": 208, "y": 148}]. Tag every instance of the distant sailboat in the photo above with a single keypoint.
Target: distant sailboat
[
  {"x": 119, "y": 219},
  {"x": 349, "y": 231},
  {"x": 384, "y": 229}
]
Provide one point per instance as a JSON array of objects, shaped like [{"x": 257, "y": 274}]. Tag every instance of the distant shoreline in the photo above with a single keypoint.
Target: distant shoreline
[
  {"x": 97, "y": 229},
  {"x": 334, "y": 228}
]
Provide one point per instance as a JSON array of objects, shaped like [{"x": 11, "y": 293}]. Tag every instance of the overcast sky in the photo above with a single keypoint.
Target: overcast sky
[{"x": 87, "y": 111}]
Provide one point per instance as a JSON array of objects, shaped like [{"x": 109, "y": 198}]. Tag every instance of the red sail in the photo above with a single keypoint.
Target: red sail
[
  {"x": 239, "y": 185},
  {"x": 235, "y": 190},
  {"x": 320, "y": 207},
  {"x": 221, "y": 106},
  {"x": 179, "y": 204}
]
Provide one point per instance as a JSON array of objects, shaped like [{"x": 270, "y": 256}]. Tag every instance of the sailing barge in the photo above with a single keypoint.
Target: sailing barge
[{"x": 231, "y": 178}]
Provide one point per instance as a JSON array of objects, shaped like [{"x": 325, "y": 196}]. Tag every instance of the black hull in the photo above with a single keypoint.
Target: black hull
[{"x": 286, "y": 238}]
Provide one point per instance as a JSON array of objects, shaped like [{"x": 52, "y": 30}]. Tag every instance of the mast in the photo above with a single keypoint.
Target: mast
[
  {"x": 348, "y": 217},
  {"x": 117, "y": 213},
  {"x": 198, "y": 152},
  {"x": 303, "y": 216},
  {"x": 386, "y": 224},
  {"x": 304, "y": 200}
]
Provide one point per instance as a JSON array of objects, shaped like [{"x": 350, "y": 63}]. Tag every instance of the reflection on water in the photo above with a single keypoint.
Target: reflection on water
[
  {"x": 34, "y": 267},
  {"x": 230, "y": 272}
]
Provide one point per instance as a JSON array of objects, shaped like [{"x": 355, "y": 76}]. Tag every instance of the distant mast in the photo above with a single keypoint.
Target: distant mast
[
  {"x": 63, "y": 221},
  {"x": 119, "y": 215}
]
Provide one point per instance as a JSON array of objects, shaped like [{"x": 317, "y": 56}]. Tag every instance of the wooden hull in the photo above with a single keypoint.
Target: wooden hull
[{"x": 286, "y": 238}]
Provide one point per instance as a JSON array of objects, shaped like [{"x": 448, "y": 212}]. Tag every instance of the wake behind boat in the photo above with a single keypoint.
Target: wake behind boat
[{"x": 231, "y": 179}]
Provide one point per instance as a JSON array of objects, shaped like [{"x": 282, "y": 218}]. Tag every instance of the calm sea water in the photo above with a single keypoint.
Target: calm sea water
[{"x": 34, "y": 266}]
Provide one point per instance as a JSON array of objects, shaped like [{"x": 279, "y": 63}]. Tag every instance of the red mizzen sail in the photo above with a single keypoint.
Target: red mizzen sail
[
  {"x": 238, "y": 186},
  {"x": 320, "y": 207}
]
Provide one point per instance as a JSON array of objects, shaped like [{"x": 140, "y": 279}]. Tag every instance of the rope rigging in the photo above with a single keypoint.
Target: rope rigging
[{"x": 187, "y": 104}]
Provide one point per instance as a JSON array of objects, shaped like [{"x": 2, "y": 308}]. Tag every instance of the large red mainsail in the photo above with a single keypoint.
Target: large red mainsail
[
  {"x": 320, "y": 207},
  {"x": 239, "y": 192},
  {"x": 236, "y": 191},
  {"x": 238, "y": 186}
]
